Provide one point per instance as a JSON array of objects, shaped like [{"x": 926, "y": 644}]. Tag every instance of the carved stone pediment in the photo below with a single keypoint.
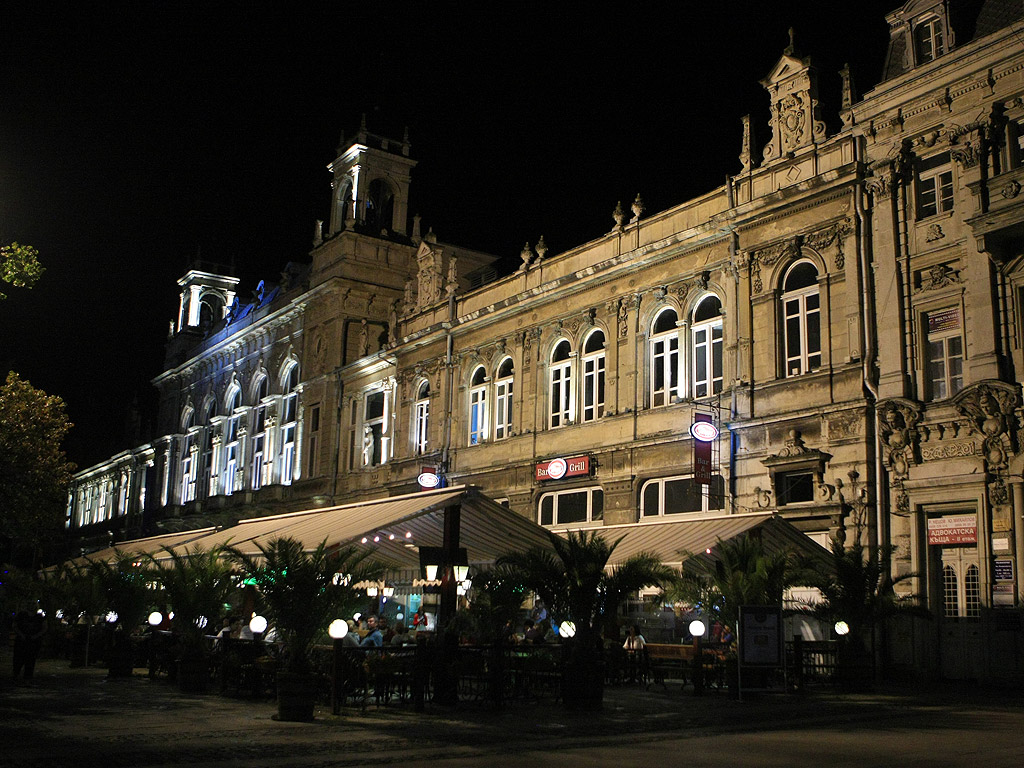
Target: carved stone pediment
[{"x": 796, "y": 117}]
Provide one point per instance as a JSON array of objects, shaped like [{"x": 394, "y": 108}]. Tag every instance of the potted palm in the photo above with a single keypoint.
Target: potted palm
[
  {"x": 124, "y": 583},
  {"x": 301, "y": 596},
  {"x": 574, "y": 581},
  {"x": 196, "y": 583}
]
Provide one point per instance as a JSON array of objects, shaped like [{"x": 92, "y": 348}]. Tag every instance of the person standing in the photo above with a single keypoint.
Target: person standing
[{"x": 29, "y": 629}]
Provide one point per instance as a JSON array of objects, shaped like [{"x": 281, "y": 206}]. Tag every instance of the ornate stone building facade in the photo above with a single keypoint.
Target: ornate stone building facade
[{"x": 847, "y": 309}]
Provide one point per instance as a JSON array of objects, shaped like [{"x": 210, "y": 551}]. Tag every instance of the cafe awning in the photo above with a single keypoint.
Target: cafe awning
[
  {"x": 676, "y": 541},
  {"x": 150, "y": 545},
  {"x": 395, "y": 527}
]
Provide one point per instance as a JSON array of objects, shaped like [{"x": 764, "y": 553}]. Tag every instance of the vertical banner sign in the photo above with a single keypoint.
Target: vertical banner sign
[{"x": 701, "y": 449}]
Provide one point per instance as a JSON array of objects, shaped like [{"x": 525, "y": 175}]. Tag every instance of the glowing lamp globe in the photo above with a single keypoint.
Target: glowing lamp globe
[
  {"x": 155, "y": 618},
  {"x": 112, "y": 617},
  {"x": 842, "y": 628},
  {"x": 567, "y": 629},
  {"x": 338, "y": 629},
  {"x": 697, "y": 628},
  {"x": 258, "y": 625}
]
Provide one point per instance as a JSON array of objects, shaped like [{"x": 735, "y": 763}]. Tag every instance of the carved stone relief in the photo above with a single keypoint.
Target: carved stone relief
[
  {"x": 897, "y": 423},
  {"x": 989, "y": 412}
]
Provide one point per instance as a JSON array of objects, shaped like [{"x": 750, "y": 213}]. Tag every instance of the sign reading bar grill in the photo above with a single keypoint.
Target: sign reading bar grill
[
  {"x": 556, "y": 469},
  {"x": 955, "y": 529}
]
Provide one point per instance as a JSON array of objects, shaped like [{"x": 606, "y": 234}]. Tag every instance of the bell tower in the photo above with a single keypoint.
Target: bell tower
[{"x": 370, "y": 184}]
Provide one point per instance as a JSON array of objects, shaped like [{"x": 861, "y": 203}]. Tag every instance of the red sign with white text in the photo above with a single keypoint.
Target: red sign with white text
[
  {"x": 955, "y": 529},
  {"x": 556, "y": 469}
]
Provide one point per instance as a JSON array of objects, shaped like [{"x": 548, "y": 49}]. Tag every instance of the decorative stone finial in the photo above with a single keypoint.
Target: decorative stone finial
[
  {"x": 638, "y": 209},
  {"x": 318, "y": 232},
  {"x": 619, "y": 215},
  {"x": 430, "y": 237},
  {"x": 791, "y": 48},
  {"x": 745, "y": 147},
  {"x": 416, "y": 236},
  {"x": 541, "y": 249},
  {"x": 526, "y": 254}
]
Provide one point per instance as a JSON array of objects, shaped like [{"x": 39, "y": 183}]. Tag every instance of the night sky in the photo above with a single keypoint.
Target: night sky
[{"x": 134, "y": 135}]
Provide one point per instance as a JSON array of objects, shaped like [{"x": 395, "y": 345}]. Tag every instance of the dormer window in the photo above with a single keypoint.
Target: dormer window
[{"x": 929, "y": 40}]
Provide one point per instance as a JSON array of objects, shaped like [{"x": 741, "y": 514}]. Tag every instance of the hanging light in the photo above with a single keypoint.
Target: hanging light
[
  {"x": 371, "y": 592},
  {"x": 461, "y": 572},
  {"x": 387, "y": 590}
]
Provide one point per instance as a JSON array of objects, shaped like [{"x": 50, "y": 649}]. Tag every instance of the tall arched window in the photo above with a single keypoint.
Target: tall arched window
[
  {"x": 503, "y": 399},
  {"x": 478, "y": 406},
  {"x": 259, "y": 435},
  {"x": 707, "y": 347},
  {"x": 189, "y": 457},
  {"x": 664, "y": 346},
  {"x": 801, "y": 310},
  {"x": 232, "y": 439},
  {"x": 593, "y": 376},
  {"x": 289, "y": 423},
  {"x": 380, "y": 206},
  {"x": 421, "y": 418},
  {"x": 209, "y": 476},
  {"x": 560, "y": 385}
]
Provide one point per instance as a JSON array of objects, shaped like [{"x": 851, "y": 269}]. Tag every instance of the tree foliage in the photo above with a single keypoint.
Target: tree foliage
[
  {"x": 299, "y": 590},
  {"x": 196, "y": 584},
  {"x": 741, "y": 573},
  {"x": 19, "y": 266},
  {"x": 573, "y": 580},
  {"x": 34, "y": 471}
]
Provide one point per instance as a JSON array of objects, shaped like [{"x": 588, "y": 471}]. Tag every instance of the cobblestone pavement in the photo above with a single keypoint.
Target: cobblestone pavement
[{"x": 78, "y": 717}]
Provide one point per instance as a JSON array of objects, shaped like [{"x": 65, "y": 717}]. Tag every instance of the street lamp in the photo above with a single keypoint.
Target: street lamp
[
  {"x": 697, "y": 630},
  {"x": 842, "y": 628},
  {"x": 257, "y": 625},
  {"x": 155, "y": 619},
  {"x": 338, "y": 629}
]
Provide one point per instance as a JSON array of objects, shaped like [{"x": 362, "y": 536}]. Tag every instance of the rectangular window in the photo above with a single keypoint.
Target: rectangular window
[
  {"x": 707, "y": 360},
  {"x": 579, "y": 505},
  {"x": 803, "y": 333},
  {"x": 928, "y": 40},
  {"x": 664, "y": 369},
  {"x": 374, "y": 447},
  {"x": 314, "y": 442},
  {"x": 421, "y": 421},
  {"x": 477, "y": 415},
  {"x": 593, "y": 387},
  {"x": 561, "y": 394},
  {"x": 681, "y": 495},
  {"x": 794, "y": 487},
  {"x": 944, "y": 354},
  {"x": 503, "y": 409},
  {"x": 934, "y": 186}
]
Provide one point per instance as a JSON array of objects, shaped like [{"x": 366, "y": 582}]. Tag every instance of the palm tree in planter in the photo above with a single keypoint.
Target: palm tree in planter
[
  {"x": 302, "y": 593},
  {"x": 196, "y": 583},
  {"x": 124, "y": 584},
  {"x": 574, "y": 581},
  {"x": 741, "y": 572}
]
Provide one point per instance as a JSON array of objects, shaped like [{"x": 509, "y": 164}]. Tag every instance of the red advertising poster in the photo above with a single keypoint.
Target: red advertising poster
[
  {"x": 954, "y": 529},
  {"x": 556, "y": 469}
]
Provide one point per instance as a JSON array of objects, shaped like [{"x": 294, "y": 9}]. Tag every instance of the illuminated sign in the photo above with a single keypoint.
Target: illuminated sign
[
  {"x": 556, "y": 469},
  {"x": 428, "y": 478},
  {"x": 704, "y": 434},
  {"x": 704, "y": 431}
]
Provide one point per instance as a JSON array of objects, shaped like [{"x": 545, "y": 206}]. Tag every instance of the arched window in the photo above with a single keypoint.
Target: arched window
[
  {"x": 260, "y": 464},
  {"x": 801, "y": 311},
  {"x": 189, "y": 457},
  {"x": 664, "y": 356},
  {"x": 232, "y": 440},
  {"x": 478, "y": 406},
  {"x": 593, "y": 376},
  {"x": 289, "y": 423},
  {"x": 707, "y": 347},
  {"x": 560, "y": 385},
  {"x": 380, "y": 207},
  {"x": 209, "y": 471},
  {"x": 503, "y": 399},
  {"x": 421, "y": 418}
]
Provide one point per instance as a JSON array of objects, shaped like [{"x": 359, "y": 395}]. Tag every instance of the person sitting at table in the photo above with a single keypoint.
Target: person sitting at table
[
  {"x": 634, "y": 640},
  {"x": 533, "y": 633},
  {"x": 401, "y": 636},
  {"x": 374, "y": 638}
]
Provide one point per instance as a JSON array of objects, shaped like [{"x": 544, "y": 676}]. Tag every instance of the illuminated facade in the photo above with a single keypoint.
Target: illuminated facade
[{"x": 846, "y": 309}]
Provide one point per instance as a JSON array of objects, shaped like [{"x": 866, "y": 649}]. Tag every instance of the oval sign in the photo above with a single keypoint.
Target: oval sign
[
  {"x": 428, "y": 480},
  {"x": 704, "y": 431},
  {"x": 557, "y": 469}
]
